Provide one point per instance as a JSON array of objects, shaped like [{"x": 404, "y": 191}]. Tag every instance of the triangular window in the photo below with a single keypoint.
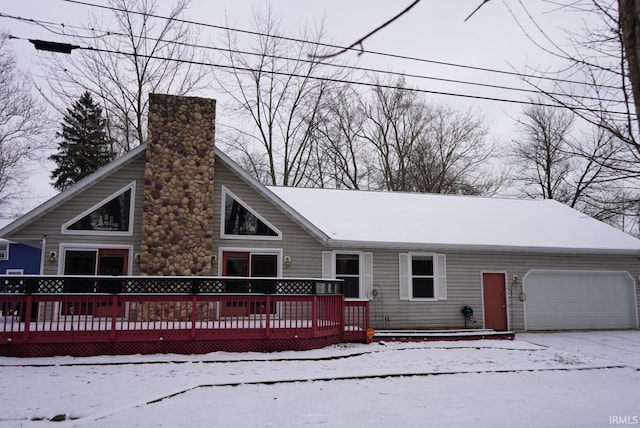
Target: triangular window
[
  {"x": 240, "y": 221},
  {"x": 113, "y": 215}
]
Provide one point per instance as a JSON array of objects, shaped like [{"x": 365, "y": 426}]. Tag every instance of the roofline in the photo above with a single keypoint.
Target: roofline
[
  {"x": 272, "y": 197},
  {"x": 336, "y": 243},
  {"x": 78, "y": 187}
]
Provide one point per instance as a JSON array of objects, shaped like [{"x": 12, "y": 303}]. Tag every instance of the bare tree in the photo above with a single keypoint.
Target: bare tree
[
  {"x": 595, "y": 84},
  {"x": 342, "y": 157},
  {"x": 629, "y": 19},
  {"x": 426, "y": 148},
  {"x": 396, "y": 124},
  {"x": 145, "y": 54},
  {"x": 278, "y": 94},
  {"x": 541, "y": 152},
  {"x": 23, "y": 126},
  {"x": 454, "y": 155},
  {"x": 551, "y": 162}
]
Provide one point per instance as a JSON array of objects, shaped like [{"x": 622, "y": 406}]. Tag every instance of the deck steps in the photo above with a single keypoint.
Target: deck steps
[{"x": 431, "y": 335}]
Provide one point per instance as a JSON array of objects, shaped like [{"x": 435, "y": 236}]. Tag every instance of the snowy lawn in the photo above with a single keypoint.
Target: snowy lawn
[{"x": 586, "y": 379}]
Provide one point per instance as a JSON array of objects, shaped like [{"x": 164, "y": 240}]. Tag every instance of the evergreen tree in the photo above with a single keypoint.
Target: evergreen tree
[{"x": 85, "y": 144}]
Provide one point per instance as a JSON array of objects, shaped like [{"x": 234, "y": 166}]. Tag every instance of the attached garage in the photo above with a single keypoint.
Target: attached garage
[{"x": 557, "y": 300}]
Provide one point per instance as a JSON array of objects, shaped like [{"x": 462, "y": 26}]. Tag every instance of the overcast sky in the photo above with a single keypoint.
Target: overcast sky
[{"x": 433, "y": 30}]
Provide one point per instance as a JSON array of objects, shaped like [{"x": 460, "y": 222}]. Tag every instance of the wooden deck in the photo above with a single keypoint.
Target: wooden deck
[{"x": 91, "y": 323}]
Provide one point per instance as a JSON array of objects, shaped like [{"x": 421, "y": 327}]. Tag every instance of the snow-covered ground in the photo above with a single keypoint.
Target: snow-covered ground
[{"x": 587, "y": 379}]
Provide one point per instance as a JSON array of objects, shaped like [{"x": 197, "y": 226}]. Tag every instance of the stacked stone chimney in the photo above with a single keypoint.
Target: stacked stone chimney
[{"x": 177, "y": 218}]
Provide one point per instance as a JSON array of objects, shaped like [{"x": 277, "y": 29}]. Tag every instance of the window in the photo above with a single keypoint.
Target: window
[
  {"x": 113, "y": 215},
  {"x": 240, "y": 221},
  {"x": 354, "y": 268},
  {"x": 423, "y": 276},
  {"x": 422, "y": 279},
  {"x": 348, "y": 269},
  {"x": 258, "y": 263},
  {"x": 4, "y": 251}
]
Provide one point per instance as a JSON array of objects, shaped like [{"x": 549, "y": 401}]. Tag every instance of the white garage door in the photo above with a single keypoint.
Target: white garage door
[{"x": 579, "y": 300}]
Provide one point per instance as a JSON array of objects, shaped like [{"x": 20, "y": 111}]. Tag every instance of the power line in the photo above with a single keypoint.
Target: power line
[
  {"x": 335, "y": 80},
  {"x": 48, "y": 24},
  {"x": 333, "y": 46}
]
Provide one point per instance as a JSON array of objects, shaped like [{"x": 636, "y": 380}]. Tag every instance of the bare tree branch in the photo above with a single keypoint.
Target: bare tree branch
[{"x": 361, "y": 40}]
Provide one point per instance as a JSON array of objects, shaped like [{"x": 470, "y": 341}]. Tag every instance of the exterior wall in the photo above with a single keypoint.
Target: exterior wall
[
  {"x": 464, "y": 286},
  {"x": 177, "y": 215},
  {"x": 23, "y": 257},
  {"x": 464, "y": 269},
  {"x": 303, "y": 249},
  {"x": 49, "y": 225}
]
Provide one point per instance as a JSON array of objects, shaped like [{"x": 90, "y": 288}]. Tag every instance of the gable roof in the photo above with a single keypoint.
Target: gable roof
[
  {"x": 432, "y": 221},
  {"x": 77, "y": 188},
  {"x": 131, "y": 156}
]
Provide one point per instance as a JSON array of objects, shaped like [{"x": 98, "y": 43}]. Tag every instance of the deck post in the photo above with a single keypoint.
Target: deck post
[
  {"x": 114, "y": 315},
  {"x": 343, "y": 318},
  {"x": 314, "y": 315},
  {"x": 267, "y": 318},
  {"x": 194, "y": 303},
  {"x": 27, "y": 317}
]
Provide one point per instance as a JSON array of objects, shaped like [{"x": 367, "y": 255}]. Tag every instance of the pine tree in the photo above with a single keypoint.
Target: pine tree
[{"x": 85, "y": 145}]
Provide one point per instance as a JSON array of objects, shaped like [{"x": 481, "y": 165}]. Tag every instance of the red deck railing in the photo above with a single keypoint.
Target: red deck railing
[{"x": 54, "y": 323}]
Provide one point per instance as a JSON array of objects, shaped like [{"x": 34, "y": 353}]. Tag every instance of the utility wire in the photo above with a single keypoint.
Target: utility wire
[
  {"x": 48, "y": 24},
  {"x": 333, "y": 46},
  {"x": 335, "y": 80}
]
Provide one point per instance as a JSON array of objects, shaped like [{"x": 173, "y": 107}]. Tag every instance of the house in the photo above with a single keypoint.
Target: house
[
  {"x": 16, "y": 259},
  {"x": 19, "y": 259},
  {"x": 180, "y": 206}
]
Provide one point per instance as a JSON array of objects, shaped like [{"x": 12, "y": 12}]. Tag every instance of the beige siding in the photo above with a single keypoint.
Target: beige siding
[
  {"x": 464, "y": 283},
  {"x": 305, "y": 251},
  {"x": 49, "y": 225}
]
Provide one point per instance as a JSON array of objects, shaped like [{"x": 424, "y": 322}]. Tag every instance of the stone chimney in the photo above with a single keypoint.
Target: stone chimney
[{"x": 177, "y": 218}]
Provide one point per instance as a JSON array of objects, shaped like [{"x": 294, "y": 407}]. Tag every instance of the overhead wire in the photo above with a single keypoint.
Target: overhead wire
[
  {"x": 335, "y": 80},
  {"x": 48, "y": 26},
  {"x": 333, "y": 46}
]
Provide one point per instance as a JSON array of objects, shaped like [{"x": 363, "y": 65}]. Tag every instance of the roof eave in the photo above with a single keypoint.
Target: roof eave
[
  {"x": 338, "y": 243},
  {"x": 272, "y": 197}
]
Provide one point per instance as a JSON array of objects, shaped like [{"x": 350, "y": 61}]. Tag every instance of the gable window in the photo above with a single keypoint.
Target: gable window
[
  {"x": 354, "y": 268},
  {"x": 4, "y": 251},
  {"x": 240, "y": 221},
  {"x": 113, "y": 215},
  {"x": 423, "y": 276}
]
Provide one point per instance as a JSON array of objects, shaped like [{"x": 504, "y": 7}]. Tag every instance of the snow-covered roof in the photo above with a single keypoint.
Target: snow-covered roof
[{"x": 416, "y": 220}]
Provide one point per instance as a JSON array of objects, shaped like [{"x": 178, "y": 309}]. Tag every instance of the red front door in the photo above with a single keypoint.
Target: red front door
[
  {"x": 495, "y": 301},
  {"x": 111, "y": 262}
]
